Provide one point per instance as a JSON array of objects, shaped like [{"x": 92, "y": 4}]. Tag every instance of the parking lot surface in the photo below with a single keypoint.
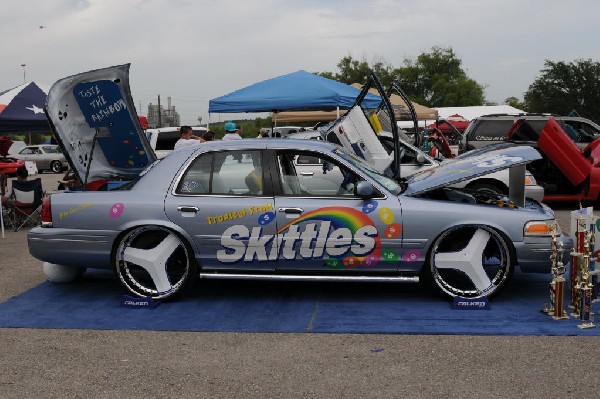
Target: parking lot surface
[{"x": 106, "y": 364}]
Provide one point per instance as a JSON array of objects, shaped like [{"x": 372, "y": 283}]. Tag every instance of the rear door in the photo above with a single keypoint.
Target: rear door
[{"x": 224, "y": 201}]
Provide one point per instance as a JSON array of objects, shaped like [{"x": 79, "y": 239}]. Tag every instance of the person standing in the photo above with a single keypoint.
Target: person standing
[
  {"x": 231, "y": 131},
  {"x": 187, "y": 137}
]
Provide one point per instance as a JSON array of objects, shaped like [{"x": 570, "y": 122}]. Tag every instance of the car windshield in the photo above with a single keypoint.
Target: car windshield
[{"x": 390, "y": 184}]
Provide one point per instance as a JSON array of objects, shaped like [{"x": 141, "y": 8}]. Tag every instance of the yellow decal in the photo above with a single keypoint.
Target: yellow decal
[
  {"x": 75, "y": 210},
  {"x": 237, "y": 214}
]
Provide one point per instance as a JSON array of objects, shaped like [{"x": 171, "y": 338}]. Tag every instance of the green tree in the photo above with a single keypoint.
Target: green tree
[
  {"x": 437, "y": 79},
  {"x": 514, "y": 102},
  {"x": 433, "y": 79},
  {"x": 563, "y": 87}
]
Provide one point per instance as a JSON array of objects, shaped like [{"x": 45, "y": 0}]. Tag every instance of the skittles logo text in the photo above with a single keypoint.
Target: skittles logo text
[{"x": 337, "y": 232}]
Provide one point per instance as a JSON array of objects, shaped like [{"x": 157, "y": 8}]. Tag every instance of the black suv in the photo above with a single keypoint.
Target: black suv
[{"x": 489, "y": 129}]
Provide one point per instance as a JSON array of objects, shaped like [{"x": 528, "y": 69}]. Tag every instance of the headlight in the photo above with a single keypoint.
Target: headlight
[{"x": 541, "y": 228}]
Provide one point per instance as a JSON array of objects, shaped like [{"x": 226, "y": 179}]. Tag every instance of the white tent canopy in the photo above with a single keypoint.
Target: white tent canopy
[{"x": 470, "y": 113}]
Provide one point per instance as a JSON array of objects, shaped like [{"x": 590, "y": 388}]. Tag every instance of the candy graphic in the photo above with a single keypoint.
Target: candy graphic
[
  {"x": 333, "y": 263},
  {"x": 389, "y": 255},
  {"x": 351, "y": 261},
  {"x": 411, "y": 256},
  {"x": 392, "y": 231},
  {"x": 370, "y": 261},
  {"x": 266, "y": 218},
  {"x": 116, "y": 210},
  {"x": 386, "y": 215},
  {"x": 369, "y": 206}
]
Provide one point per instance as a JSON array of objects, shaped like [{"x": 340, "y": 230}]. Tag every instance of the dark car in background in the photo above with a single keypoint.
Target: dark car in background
[{"x": 489, "y": 129}]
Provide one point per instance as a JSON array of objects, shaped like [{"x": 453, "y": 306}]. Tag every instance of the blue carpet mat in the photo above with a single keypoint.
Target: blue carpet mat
[{"x": 93, "y": 302}]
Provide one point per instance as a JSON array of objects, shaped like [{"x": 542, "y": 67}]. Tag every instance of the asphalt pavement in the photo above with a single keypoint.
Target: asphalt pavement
[{"x": 46, "y": 363}]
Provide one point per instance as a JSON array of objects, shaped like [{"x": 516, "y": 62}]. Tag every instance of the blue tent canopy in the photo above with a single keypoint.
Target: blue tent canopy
[
  {"x": 22, "y": 109},
  {"x": 295, "y": 91}
]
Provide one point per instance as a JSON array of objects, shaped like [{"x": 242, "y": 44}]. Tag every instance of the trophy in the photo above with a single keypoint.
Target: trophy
[
  {"x": 585, "y": 287},
  {"x": 593, "y": 272},
  {"x": 557, "y": 285},
  {"x": 575, "y": 260}
]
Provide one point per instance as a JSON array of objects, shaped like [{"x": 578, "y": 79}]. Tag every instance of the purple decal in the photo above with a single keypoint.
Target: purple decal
[
  {"x": 266, "y": 218},
  {"x": 369, "y": 206},
  {"x": 370, "y": 261},
  {"x": 411, "y": 256},
  {"x": 116, "y": 210}
]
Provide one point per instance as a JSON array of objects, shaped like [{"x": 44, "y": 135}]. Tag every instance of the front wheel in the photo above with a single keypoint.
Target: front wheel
[
  {"x": 470, "y": 261},
  {"x": 153, "y": 261},
  {"x": 56, "y": 167}
]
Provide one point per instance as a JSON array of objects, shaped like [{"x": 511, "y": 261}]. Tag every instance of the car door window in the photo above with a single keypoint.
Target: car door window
[
  {"x": 224, "y": 173},
  {"x": 321, "y": 177}
]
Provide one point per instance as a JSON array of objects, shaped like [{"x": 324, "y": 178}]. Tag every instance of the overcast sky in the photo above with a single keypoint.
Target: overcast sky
[{"x": 195, "y": 50}]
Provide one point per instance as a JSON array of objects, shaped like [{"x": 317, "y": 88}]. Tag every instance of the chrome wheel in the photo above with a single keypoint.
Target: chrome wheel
[
  {"x": 471, "y": 261},
  {"x": 153, "y": 261}
]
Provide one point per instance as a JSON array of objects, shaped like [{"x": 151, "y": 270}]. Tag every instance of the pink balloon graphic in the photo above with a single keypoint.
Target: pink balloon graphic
[{"x": 116, "y": 210}]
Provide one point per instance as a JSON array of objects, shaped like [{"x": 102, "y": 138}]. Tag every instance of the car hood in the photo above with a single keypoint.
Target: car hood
[
  {"x": 449, "y": 173},
  {"x": 95, "y": 123}
]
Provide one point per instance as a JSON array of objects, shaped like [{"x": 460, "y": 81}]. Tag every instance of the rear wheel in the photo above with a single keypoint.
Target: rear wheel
[
  {"x": 56, "y": 167},
  {"x": 153, "y": 261},
  {"x": 470, "y": 261}
]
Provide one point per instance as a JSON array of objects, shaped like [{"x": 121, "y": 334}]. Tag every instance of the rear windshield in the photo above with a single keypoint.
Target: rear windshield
[{"x": 489, "y": 130}]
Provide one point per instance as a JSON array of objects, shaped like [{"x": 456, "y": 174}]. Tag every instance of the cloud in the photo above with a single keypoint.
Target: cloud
[{"x": 196, "y": 50}]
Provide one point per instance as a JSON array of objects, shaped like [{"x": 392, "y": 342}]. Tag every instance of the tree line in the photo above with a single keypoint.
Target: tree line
[{"x": 437, "y": 79}]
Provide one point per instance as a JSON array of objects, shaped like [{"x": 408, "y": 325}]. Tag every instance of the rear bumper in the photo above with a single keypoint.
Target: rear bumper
[{"x": 91, "y": 248}]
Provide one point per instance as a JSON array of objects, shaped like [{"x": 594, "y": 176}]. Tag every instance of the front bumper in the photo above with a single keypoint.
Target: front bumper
[{"x": 534, "y": 253}]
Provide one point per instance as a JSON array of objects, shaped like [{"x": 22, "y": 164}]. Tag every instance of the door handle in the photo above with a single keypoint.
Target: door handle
[
  {"x": 307, "y": 173},
  {"x": 187, "y": 208},
  {"x": 291, "y": 210}
]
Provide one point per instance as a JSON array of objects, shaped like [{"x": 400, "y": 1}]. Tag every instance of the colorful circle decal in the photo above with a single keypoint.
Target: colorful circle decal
[
  {"x": 116, "y": 210},
  {"x": 389, "y": 255},
  {"x": 412, "y": 255},
  {"x": 386, "y": 215},
  {"x": 370, "y": 261},
  {"x": 333, "y": 263},
  {"x": 392, "y": 231},
  {"x": 351, "y": 262},
  {"x": 266, "y": 218},
  {"x": 369, "y": 206}
]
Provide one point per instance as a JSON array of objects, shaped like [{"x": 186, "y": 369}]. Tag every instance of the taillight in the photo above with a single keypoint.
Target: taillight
[{"x": 46, "y": 212}]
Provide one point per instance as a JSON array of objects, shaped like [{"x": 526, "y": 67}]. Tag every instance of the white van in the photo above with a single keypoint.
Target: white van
[{"x": 162, "y": 140}]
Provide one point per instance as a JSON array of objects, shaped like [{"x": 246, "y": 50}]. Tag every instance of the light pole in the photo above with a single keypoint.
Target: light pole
[{"x": 24, "y": 73}]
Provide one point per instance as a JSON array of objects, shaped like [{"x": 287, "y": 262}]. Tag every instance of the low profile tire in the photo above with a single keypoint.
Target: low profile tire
[
  {"x": 153, "y": 261},
  {"x": 470, "y": 261},
  {"x": 61, "y": 273},
  {"x": 55, "y": 167}
]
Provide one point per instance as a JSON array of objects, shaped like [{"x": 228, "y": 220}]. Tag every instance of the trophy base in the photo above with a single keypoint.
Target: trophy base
[
  {"x": 564, "y": 316},
  {"x": 586, "y": 325}
]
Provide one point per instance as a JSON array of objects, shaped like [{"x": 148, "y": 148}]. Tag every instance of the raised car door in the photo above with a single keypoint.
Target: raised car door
[
  {"x": 223, "y": 200},
  {"x": 322, "y": 225}
]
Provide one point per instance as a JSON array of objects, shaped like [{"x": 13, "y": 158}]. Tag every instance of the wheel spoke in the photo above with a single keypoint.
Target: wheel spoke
[
  {"x": 468, "y": 260},
  {"x": 154, "y": 260}
]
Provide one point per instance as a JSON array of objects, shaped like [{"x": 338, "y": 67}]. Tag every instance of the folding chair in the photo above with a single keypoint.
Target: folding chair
[{"x": 26, "y": 201}]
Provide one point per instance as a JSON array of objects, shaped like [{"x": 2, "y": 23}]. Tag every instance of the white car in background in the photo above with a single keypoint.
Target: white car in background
[{"x": 162, "y": 140}]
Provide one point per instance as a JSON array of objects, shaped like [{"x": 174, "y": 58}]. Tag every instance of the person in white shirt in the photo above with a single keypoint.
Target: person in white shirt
[
  {"x": 231, "y": 132},
  {"x": 186, "y": 137}
]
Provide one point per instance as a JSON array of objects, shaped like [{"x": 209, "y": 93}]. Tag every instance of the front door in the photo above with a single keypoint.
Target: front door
[{"x": 323, "y": 226}]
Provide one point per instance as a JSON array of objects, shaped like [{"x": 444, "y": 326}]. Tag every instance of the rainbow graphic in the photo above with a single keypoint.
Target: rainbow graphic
[{"x": 343, "y": 217}]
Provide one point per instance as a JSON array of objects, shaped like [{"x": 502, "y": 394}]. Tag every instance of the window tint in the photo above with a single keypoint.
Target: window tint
[
  {"x": 493, "y": 130},
  {"x": 224, "y": 173}
]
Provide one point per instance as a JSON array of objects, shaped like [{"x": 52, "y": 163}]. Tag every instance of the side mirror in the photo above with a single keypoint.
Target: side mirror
[{"x": 364, "y": 190}]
